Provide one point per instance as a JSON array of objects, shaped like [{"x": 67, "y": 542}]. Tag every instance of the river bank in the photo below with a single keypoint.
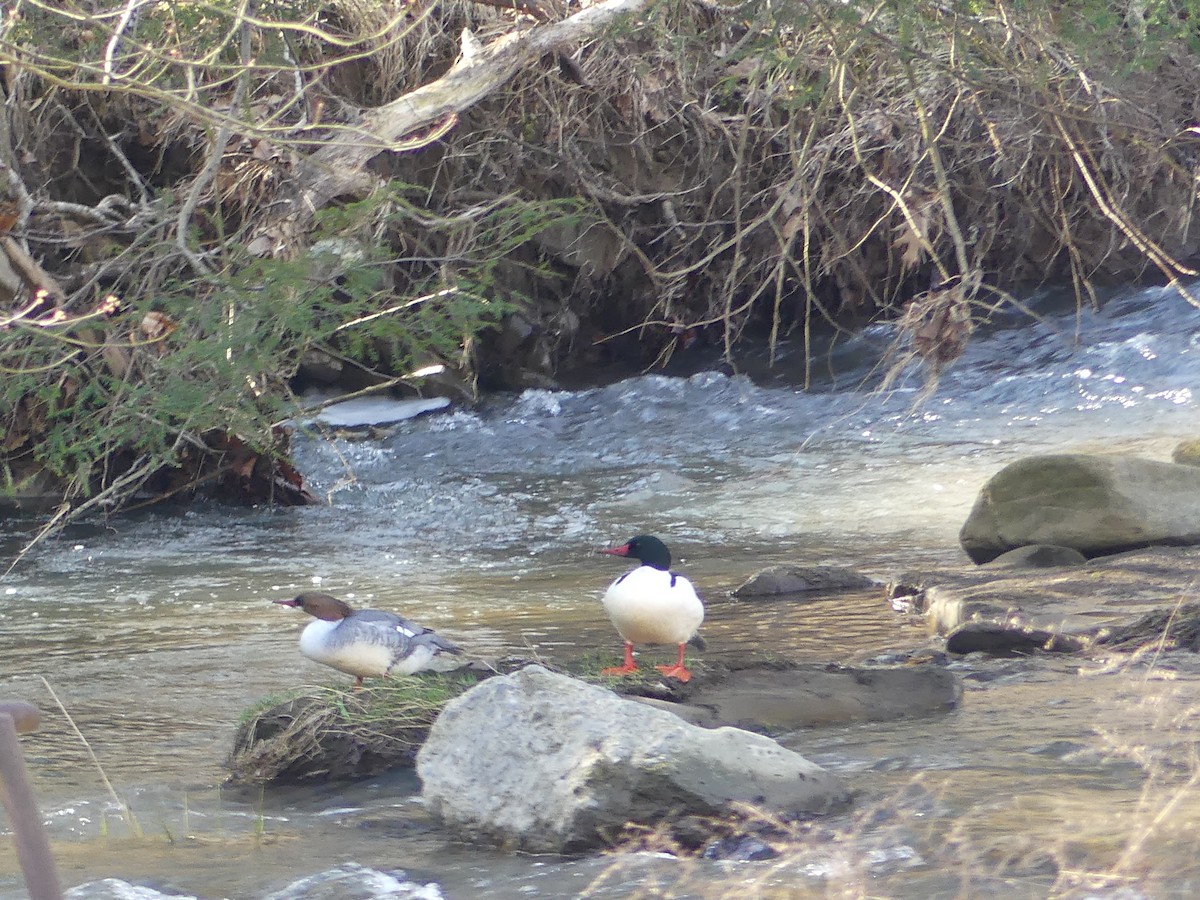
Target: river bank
[{"x": 777, "y": 178}]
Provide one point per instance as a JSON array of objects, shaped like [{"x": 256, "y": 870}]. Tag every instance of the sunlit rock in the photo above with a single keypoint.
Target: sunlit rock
[
  {"x": 352, "y": 880},
  {"x": 1095, "y": 504},
  {"x": 545, "y": 763},
  {"x": 115, "y": 889},
  {"x": 366, "y": 411}
]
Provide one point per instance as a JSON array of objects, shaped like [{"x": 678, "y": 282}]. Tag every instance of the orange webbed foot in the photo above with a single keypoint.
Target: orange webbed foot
[
  {"x": 628, "y": 667},
  {"x": 619, "y": 670},
  {"x": 679, "y": 673}
]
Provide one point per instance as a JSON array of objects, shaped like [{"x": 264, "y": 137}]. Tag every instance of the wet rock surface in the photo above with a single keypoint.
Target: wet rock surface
[
  {"x": 1173, "y": 628},
  {"x": 336, "y": 735},
  {"x": 546, "y": 763},
  {"x": 1123, "y": 594},
  {"x": 1003, "y": 638}
]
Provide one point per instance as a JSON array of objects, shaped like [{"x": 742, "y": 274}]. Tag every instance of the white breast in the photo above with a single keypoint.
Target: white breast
[
  {"x": 321, "y": 642},
  {"x": 650, "y": 606}
]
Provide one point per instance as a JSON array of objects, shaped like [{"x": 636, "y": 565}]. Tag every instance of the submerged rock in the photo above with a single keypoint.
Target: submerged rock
[
  {"x": 545, "y": 763},
  {"x": 776, "y": 580},
  {"x": 1095, "y": 504}
]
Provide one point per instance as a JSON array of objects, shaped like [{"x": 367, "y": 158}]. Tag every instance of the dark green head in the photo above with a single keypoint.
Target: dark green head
[{"x": 646, "y": 548}]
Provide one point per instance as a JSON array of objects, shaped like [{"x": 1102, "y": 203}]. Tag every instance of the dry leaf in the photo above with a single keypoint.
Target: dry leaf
[
  {"x": 155, "y": 325},
  {"x": 909, "y": 242},
  {"x": 116, "y": 359}
]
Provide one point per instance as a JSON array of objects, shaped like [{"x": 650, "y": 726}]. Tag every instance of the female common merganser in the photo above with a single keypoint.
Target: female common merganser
[
  {"x": 369, "y": 642},
  {"x": 652, "y": 605}
]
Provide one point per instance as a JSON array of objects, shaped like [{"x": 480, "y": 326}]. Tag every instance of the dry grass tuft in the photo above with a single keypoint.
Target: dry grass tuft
[{"x": 322, "y": 733}]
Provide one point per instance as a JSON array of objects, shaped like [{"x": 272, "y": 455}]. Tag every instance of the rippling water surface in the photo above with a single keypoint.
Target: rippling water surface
[{"x": 155, "y": 632}]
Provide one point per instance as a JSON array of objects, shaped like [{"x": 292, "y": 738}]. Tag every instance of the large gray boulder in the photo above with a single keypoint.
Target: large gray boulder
[
  {"x": 546, "y": 763},
  {"x": 1094, "y": 504}
]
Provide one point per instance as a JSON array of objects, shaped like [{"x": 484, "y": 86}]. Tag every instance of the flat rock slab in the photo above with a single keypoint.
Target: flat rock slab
[
  {"x": 779, "y": 580},
  {"x": 784, "y": 699},
  {"x": 1087, "y": 600},
  {"x": 333, "y": 735}
]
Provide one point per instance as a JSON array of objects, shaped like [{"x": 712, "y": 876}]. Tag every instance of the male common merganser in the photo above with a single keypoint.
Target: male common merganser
[
  {"x": 652, "y": 605},
  {"x": 369, "y": 642}
]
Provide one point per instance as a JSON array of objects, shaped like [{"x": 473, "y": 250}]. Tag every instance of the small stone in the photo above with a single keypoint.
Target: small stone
[
  {"x": 1038, "y": 556},
  {"x": 1187, "y": 453},
  {"x": 776, "y": 580}
]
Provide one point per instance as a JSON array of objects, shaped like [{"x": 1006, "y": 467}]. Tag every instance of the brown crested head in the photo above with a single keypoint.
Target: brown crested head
[{"x": 321, "y": 606}]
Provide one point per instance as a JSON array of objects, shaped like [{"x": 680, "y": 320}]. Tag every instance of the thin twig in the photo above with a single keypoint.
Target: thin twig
[{"x": 128, "y": 813}]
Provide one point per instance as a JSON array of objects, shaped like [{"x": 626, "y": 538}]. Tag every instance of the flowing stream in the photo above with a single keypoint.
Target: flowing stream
[{"x": 155, "y": 630}]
